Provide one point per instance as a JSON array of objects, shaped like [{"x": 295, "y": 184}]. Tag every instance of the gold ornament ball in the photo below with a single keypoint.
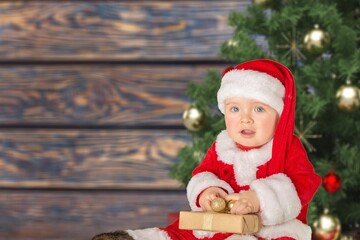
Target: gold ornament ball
[
  {"x": 348, "y": 97},
  {"x": 345, "y": 237},
  {"x": 327, "y": 227},
  {"x": 218, "y": 204},
  {"x": 232, "y": 42},
  {"x": 230, "y": 204},
  {"x": 263, "y": 3},
  {"x": 316, "y": 41},
  {"x": 193, "y": 119}
]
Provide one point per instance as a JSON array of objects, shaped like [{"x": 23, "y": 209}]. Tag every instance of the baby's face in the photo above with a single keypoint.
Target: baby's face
[{"x": 249, "y": 122}]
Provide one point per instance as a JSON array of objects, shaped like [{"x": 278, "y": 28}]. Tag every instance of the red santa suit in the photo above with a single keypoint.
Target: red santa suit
[{"x": 279, "y": 171}]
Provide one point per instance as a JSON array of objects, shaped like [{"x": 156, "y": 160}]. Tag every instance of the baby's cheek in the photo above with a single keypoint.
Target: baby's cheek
[{"x": 231, "y": 127}]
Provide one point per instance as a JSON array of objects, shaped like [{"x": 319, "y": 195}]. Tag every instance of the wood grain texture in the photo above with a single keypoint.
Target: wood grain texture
[
  {"x": 100, "y": 94},
  {"x": 65, "y": 215},
  {"x": 91, "y": 99},
  {"x": 89, "y": 159},
  {"x": 114, "y": 30}
]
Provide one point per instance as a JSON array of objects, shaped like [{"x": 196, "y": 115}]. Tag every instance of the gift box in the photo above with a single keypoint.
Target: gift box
[{"x": 219, "y": 222}]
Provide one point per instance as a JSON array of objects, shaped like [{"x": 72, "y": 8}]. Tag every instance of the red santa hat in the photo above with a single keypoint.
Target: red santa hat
[
  {"x": 271, "y": 83},
  {"x": 256, "y": 80}
]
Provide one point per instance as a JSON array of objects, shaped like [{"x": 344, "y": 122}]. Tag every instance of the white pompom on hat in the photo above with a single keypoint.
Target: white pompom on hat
[{"x": 258, "y": 80}]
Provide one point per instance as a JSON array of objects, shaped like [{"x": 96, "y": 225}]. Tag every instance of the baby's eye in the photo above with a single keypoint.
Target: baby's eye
[
  {"x": 234, "y": 109},
  {"x": 259, "y": 109}
]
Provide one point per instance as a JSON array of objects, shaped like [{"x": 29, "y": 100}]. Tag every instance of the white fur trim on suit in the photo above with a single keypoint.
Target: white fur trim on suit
[
  {"x": 203, "y": 234},
  {"x": 241, "y": 237},
  {"x": 148, "y": 234},
  {"x": 252, "y": 85},
  {"x": 245, "y": 163},
  {"x": 278, "y": 199},
  {"x": 208, "y": 234},
  {"x": 294, "y": 229},
  {"x": 199, "y": 183}
]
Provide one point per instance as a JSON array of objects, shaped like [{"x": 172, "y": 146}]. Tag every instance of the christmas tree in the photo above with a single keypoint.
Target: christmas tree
[{"x": 319, "y": 42}]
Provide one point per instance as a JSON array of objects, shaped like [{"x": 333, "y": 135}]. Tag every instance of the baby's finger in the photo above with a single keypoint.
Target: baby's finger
[
  {"x": 240, "y": 208},
  {"x": 232, "y": 197},
  {"x": 222, "y": 194},
  {"x": 207, "y": 206},
  {"x": 212, "y": 196}
]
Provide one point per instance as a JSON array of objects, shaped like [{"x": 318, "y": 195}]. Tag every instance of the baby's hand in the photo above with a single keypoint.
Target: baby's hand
[
  {"x": 210, "y": 194},
  {"x": 245, "y": 202}
]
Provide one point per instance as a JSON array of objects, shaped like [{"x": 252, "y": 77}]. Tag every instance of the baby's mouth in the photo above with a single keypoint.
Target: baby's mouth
[{"x": 247, "y": 132}]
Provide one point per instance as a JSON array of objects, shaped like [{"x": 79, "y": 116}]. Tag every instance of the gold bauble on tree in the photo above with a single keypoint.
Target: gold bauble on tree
[
  {"x": 316, "y": 41},
  {"x": 327, "y": 227},
  {"x": 263, "y": 3},
  {"x": 348, "y": 97},
  {"x": 193, "y": 118},
  {"x": 346, "y": 237}
]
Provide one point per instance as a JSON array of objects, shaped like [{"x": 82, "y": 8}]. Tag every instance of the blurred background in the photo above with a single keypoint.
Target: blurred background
[
  {"x": 107, "y": 106},
  {"x": 91, "y": 101}
]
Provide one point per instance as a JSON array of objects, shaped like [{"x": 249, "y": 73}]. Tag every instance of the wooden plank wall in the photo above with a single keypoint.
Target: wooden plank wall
[{"x": 91, "y": 99}]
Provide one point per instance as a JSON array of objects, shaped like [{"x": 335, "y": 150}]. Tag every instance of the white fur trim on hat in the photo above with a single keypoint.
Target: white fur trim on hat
[
  {"x": 279, "y": 201},
  {"x": 251, "y": 85},
  {"x": 148, "y": 234},
  {"x": 199, "y": 183}
]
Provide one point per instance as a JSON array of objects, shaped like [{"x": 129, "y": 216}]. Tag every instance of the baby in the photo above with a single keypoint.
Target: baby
[{"x": 256, "y": 161}]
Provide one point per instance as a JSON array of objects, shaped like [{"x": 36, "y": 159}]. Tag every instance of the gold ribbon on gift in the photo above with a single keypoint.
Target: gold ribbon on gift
[
  {"x": 219, "y": 222},
  {"x": 207, "y": 221}
]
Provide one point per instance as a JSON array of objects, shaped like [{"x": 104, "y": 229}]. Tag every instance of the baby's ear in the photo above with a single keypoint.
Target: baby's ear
[{"x": 228, "y": 69}]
